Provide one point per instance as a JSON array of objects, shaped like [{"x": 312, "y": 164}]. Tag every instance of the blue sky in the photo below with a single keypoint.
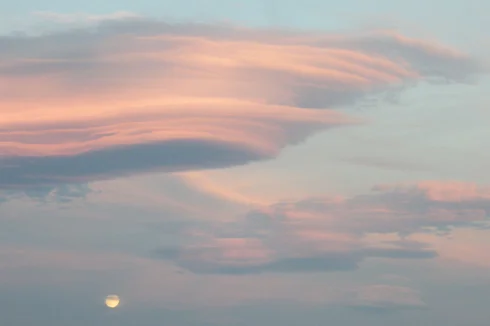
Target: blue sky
[
  {"x": 244, "y": 163},
  {"x": 453, "y": 21}
]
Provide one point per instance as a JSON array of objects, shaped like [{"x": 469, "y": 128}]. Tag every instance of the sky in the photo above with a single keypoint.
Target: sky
[{"x": 242, "y": 163}]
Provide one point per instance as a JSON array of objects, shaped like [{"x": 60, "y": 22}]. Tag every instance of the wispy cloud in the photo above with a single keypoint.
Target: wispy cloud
[{"x": 384, "y": 163}]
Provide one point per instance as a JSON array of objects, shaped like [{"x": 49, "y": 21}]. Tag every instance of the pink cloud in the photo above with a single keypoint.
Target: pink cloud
[
  {"x": 454, "y": 191},
  {"x": 138, "y": 96},
  {"x": 228, "y": 251},
  {"x": 464, "y": 247},
  {"x": 334, "y": 233}
]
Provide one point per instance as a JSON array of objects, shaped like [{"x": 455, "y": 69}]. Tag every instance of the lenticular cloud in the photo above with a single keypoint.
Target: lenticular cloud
[{"x": 138, "y": 96}]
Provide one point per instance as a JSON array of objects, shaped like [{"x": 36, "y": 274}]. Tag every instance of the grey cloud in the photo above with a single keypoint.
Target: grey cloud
[
  {"x": 280, "y": 239},
  {"x": 400, "y": 253},
  {"x": 326, "y": 263},
  {"x": 167, "y": 156},
  {"x": 62, "y": 193},
  {"x": 405, "y": 210},
  {"x": 384, "y": 163},
  {"x": 321, "y": 263},
  {"x": 131, "y": 216}
]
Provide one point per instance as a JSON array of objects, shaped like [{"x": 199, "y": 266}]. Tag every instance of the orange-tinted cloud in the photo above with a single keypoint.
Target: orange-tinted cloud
[{"x": 139, "y": 96}]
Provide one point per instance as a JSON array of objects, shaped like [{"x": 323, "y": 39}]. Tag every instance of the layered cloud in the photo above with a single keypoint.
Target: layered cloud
[
  {"x": 335, "y": 233},
  {"x": 138, "y": 96}
]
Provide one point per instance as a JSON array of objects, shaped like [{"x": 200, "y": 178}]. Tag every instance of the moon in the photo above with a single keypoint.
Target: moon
[{"x": 112, "y": 301}]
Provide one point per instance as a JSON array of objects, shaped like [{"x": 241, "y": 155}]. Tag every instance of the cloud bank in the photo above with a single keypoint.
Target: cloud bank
[
  {"x": 134, "y": 96},
  {"x": 335, "y": 233}
]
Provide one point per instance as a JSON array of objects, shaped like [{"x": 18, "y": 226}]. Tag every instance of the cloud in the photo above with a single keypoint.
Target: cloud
[
  {"x": 142, "y": 281},
  {"x": 384, "y": 163},
  {"x": 205, "y": 260},
  {"x": 63, "y": 193},
  {"x": 335, "y": 233},
  {"x": 34, "y": 280},
  {"x": 137, "y": 96},
  {"x": 159, "y": 209},
  {"x": 403, "y": 209},
  {"x": 385, "y": 298}
]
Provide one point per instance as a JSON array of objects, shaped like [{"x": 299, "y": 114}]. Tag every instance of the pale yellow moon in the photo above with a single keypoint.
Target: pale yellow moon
[{"x": 112, "y": 301}]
